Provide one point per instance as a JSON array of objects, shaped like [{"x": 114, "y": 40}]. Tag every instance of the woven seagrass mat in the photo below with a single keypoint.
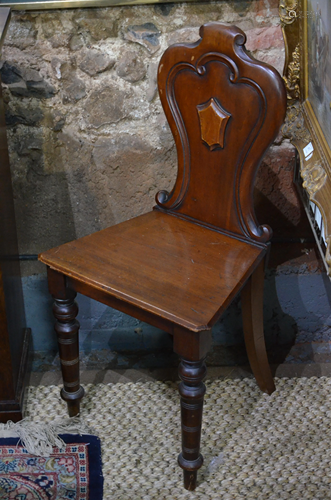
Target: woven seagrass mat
[{"x": 255, "y": 446}]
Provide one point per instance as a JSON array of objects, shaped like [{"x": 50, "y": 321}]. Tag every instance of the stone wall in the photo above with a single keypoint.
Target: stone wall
[{"x": 89, "y": 143}]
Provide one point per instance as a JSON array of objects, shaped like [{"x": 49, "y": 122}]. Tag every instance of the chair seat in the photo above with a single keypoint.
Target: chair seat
[{"x": 173, "y": 268}]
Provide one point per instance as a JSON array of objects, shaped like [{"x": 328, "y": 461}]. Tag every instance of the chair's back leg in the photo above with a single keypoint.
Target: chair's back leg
[
  {"x": 65, "y": 310},
  {"x": 252, "y": 313}
]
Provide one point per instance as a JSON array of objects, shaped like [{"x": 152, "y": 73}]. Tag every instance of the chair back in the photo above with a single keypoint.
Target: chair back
[{"x": 224, "y": 109}]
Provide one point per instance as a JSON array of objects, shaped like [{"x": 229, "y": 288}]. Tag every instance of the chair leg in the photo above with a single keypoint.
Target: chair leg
[
  {"x": 66, "y": 327},
  {"x": 252, "y": 312},
  {"x": 192, "y": 391}
]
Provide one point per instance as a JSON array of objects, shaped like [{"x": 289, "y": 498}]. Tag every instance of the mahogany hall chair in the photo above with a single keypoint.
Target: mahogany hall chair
[{"x": 179, "y": 266}]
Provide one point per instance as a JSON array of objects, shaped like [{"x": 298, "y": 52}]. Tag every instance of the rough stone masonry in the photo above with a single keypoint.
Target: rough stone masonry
[{"x": 89, "y": 143}]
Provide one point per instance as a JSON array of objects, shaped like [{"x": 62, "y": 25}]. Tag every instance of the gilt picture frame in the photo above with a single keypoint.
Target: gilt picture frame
[
  {"x": 306, "y": 27},
  {"x": 76, "y": 4},
  {"x": 316, "y": 82}
]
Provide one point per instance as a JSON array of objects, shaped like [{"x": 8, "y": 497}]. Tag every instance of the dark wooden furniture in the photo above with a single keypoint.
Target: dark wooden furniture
[
  {"x": 179, "y": 266},
  {"x": 14, "y": 337}
]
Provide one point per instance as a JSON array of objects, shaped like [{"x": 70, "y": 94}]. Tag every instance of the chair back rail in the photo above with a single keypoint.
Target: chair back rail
[{"x": 218, "y": 100}]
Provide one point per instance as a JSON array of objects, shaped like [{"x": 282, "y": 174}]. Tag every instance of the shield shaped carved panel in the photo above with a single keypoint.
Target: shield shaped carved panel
[{"x": 213, "y": 121}]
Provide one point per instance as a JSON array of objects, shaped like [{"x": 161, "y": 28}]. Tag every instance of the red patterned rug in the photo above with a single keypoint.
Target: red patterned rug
[{"x": 71, "y": 473}]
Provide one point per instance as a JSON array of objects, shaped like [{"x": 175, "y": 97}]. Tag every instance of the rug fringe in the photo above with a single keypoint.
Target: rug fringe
[{"x": 39, "y": 439}]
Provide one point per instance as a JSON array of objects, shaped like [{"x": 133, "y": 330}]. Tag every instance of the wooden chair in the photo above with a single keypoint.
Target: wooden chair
[{"x": 179, "y": 266}]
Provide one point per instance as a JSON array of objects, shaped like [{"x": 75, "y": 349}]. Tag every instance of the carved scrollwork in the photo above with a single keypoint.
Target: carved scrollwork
[
  {"x": 294, "y": 126},
  {"x": 292, "y": 79},
  {"x": 288, "y": 11},
  {"x": 162, "y": 197},
  {"x": 289, "y": 15},
  {"x": 314, "y": 177}
]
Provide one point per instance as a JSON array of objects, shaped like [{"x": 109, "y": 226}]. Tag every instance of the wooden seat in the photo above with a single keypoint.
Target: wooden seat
[
  {"x": 179, "y": 266},
  {"x": 181, "y": 272}
]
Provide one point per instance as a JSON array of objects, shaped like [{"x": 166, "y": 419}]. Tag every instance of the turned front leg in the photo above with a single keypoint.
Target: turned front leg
[
  {"x": 66, "y": 327},
  {"x": 192, "y": 391}
]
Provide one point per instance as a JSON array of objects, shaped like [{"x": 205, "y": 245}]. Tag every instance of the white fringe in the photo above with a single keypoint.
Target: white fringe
[{"x": 39, "y": 439}]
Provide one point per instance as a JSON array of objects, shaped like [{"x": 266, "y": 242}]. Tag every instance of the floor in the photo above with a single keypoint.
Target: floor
[
  {"x": 289, "y": 370},
  {"x": 255, "y": 446}
]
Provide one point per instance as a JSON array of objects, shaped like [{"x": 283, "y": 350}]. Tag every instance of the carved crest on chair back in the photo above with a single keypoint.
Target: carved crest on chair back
[{"x": 216, "y": 99}]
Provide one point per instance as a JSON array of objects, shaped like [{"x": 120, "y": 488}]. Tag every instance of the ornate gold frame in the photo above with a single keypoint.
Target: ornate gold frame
[
  {"x": 302, "y": 126},
  {"x": 70, "y": 4}
]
